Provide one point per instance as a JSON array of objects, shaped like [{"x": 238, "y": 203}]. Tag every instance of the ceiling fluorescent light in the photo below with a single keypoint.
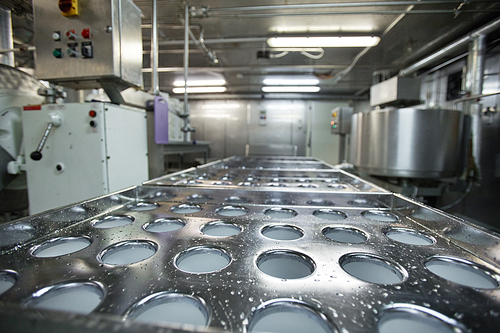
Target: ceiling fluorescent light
[
  {"x": 200, "y": 83},
  {"x": 200, "y": 90},
  {"x": 290, "y": 89},
  {"x": 290, "y": 82},
  {"x": 346, "y": 41}
]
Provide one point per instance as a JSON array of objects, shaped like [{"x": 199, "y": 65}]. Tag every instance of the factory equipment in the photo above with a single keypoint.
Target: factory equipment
[{"x": 341, "y": 124}]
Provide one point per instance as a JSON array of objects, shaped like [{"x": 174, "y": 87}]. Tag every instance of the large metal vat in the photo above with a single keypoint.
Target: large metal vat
[{"x": 409, "y": 142}]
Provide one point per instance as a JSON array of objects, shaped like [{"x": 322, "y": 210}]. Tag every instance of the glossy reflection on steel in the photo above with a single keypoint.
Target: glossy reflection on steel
[
  {"x": 73, "y": 214},
  {"x": 60, "y": 246},
  {"x": 8, "y": 279},
  {"x": 276, "y": 185},
  {"x": 280, "y": 213},
  {"x": 232, "y": 211},
  {"x": 337, "y": 186},
  {"x": 286, "y": 264},
  {"x": 165, "y": 308},
  {"x": 372, "y": 268},
  {"x": 220, "y": 229},
  {"x": 186, "y": 209},
  {"x": 345, "y": 235},
  {"x": 289, "y": 316},
  {"x": 380, "y": 216},
  {"x": 409, "y": 236},
  {"x": 330, "y": 214},
  {"x": 112, "y": 221},
  {"x": 199, "y": 198},
  {"x": 142, "y": 206},
  {"x": 238, "y": 200},
  {"x": 127, "y": 252},
  {"x": 17, "y": 233},
  {"x": 282, "y": 232},
  {"x": 164, "y": 224},
  {"x": 410, "y": 318},
  {"x": 75, "y": 297},
  {"x": 463, "y": 272},
  {"x": 202, "y": 259},
  {"x": 320, "y": 202}
]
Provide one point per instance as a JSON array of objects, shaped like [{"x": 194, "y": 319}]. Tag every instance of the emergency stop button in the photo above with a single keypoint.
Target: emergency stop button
[
  {"x": 68, "y": 7},
  {"x": 86, "y": 33}
]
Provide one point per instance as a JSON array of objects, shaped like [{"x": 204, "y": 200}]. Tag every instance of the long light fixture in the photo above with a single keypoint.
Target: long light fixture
[
  {"x": 341, "y": 41},
  {"x": 290, "y": 82},
  {"x": 200, "y": 83},
  {"x": 199, "y": 90},
  {"x": 291, "y": 89}
]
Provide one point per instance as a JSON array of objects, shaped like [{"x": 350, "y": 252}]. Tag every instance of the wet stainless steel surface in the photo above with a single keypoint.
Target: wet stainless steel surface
[{"x": 345, "y": 284}]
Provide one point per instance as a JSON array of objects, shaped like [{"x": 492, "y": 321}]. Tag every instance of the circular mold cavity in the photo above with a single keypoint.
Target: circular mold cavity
[
  {"x": 232, "y": 211},
  {"x": 167, "y": 308},
  {"x": 112, "y": 221},
  {"x": 226, "y": 178},
  {"x": 220, "y": 229},
  {"x": 221, "y": 183},
  {"x": 186, "y": 209},
  {"x": 409, "y": 236},
  {"x": 303, "y": 180},
  {"x": 289, "y": 316},
  {"x": 251, "y": 178},
  {"x": 194, "y": 182},
  {"x": 285, "y": 264},
  {"x": 463, "y": 272},
  {"x": 415, "y": 319},
  {"x": 60, "y": 246},
  {"x": 308, "y": 185},
  {"x": 7, "y": 280},
  {"x": 76, "y": 297},
  {"x": 197, "y": 198},
  {"x": 280, "y": 213},
  {"x": 345, "y": 235},
  {"x": 202, "y": 259},
  {"x": 155, "y": 195},
  {"x": 282, "y": 232},
  {"x": 320, "y": 202},
  {"x": 374, "y": 269},
  {"x": 238, "y": 200},
  {"x": 128, "y": 252},
  {"x": 164, "y": 225},
  {"x": 380, "y": 216},
  {"x": 337, "y": 187},
  {"x": 12, "y": 234},
  {"x": 142, "y": 206},
  {"x": 330, "y": 214},
  {"x": 246, "y": 184},
  {"x": 276, "y": 185}
]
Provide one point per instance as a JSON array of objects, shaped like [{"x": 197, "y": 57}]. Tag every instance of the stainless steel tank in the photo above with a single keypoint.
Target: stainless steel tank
[{"x": 409, "y": 142}]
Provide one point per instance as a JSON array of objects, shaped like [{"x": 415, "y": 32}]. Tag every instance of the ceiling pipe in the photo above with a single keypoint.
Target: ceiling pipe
[
  {"x": 6, "y": 41},
  {"x": 461, "y": 43},
  {"x": 155, "y": 83}
]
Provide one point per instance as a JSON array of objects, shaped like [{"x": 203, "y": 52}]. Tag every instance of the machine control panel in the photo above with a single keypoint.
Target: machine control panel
[{"x": 341, "y": 120}]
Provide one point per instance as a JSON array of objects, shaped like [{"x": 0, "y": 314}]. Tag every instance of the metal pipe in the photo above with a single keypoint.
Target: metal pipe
[
  {"x": 450, "y": 48},
  {"x": 472, "y": 97},
  {"x": 186, "y": 66},
  {"x": 155, "y": 82},
  {"x": 218, "y": 41},
  {"x": 6, "y": 41}
]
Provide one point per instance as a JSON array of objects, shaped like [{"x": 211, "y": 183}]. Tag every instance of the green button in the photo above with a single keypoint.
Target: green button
[{"x": 57, "y": 53}]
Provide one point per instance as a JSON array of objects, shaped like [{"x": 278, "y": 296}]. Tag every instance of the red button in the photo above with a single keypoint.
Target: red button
[
  {"x": 92, "y": 113},
  {"x": 86, "y": 33}
]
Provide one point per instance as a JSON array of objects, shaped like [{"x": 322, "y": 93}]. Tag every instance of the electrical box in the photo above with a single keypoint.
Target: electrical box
[
  {"x": 341, "y": 120},
  {"x": 84, "y": 44},
  {"x": 96, "y": 149},
  {"x": 396, "y": 91}
]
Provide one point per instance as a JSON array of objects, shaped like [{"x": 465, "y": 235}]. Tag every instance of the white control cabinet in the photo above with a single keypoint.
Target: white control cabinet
[{"x": 98, "y": 148}]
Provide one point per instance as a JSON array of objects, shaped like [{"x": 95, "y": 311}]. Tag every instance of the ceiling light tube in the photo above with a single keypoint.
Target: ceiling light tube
[
  {"x": 199, "y": 90},
  {"x": 290, "y": 82},
  {"x": 345, "y": 41},
  {"x": 199, "y": 83},
  {"x": 291, "y": 89}
]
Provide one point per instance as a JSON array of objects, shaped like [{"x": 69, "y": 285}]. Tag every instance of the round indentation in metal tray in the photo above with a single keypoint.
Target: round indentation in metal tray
[
  {"x": 409, "y": 236},
  {"x": 186, "y": 209},
  {"x": 199, "y": 198},
  {"x": 127, "y": 252},
  {"x": 155, "y": 195},
  {"x": 168, "y": 307},
  {"x": 164, "y": 224},
  {"x": 372, "y": 268},
  {"x": 330, "y": 214},
  {"x": 142, "y": 206},
  {"x": 194, "y": 182},
  {"x": 410, "y": 318},
  {"x": 246, "y": 184},
  {"x": 308, "y": 185},
  {"x": 337, "y": 186},
  {"x": 232, "y": 211},
  {"x": 320, "y": 202},
  {"x": 286, "y": 264},
  {"x": 302, "y": 180},
  {"x": 220, "y": 229},
  {"x": 60, "y": 246},
  {"x": 238, "y": 200},
  {"x": 112, "y": 221},
  {"x": 7, "y": 280},
  {"x": 345, "y": 235},
  {"x": 380, "y": 216},
  {"x": 202, "y": 259},
  {"x": 282, "y": 232},
  {"x": 289, "y": 316},
  {"x": 221, "y": 183},
  {"x": 463, "y": 272},
  {"x": 280, "y": 213},
  {"x": 75, "y": 297},
  {"x": 226, "y": 178},
  {"x": 18, "y": 233},
  {"x": 274, "y": 184}
]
